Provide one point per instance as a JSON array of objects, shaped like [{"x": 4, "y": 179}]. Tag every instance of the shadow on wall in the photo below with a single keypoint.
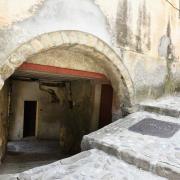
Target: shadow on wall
[
  {"x": 4, "y": 101},
  {"x": 77, "y": 116}
]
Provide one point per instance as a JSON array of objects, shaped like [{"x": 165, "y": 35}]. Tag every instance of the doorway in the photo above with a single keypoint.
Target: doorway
[
  {"x": 29, "y": 118},
  {"x": 105, "y": 116}
]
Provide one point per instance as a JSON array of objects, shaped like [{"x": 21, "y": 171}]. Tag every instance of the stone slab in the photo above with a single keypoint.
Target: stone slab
[
  {"x": 158, "y": 155},
  {"x": 89, "y": 165},
  {"x": 169, "y": 106}
]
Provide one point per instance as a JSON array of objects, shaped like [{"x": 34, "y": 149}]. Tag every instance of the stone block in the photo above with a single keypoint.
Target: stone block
[
  {"x": 16, "y": 59},
  {"x": 25, "y": 50},
  {"x": 65, "y": 38},
  {"x": 36, "y": 44},
  {"x": 56, "y": 38},
  {"x": 46, "y": 41},
  {"x": 6, "y": 70}
]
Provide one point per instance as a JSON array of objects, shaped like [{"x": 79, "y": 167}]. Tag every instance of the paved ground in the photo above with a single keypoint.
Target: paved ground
[
  {"x": 151, "y": 153},
  {"x": 27, "y": 154},
  {"x": 117, "y": 152},
  {"x": 169, "y": 105},
  {"x": 88, "y": 165}
]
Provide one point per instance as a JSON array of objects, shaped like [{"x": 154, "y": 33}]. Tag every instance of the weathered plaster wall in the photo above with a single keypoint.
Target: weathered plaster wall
[
  {"x": 67, "y": 59},
  {"x": 49, "y": 114},
  {"x": 13, "y": 11},
  {"x": 53, "y": 16},
  {"x": 146, "y": 28},
  {"x": 141, "y": 32},
  {"x": 53, "y": 118},
  {"x": 77, "y": 121},
  {"x": 140, "y": 25},
  {"x": 3, "y": 119},
  {"x": 74, "y": 59}
]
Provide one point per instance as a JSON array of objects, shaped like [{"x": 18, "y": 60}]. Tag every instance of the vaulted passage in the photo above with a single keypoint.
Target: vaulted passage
[
  {"x": 57, "y": 92},
  {"x": 53, "y": 108}
]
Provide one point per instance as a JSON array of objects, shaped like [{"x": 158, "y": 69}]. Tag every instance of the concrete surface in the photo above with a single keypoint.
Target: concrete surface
[
  {"x": 131, "y": 28},
  {"x": 29, "y": 153},
  {"x": 167, "y": 105},
  {"x": 115, "y": 152},
  {"x": 51, "y": 117},
  {"x": 88, "y": 165},
  {"x": 158, "y": 155}
]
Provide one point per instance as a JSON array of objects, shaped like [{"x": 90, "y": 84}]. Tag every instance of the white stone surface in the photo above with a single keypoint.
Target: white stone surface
[
  {"x": 88, "y": 165},
  {"x": 148, "y": 152},
  {"x": 167, "y": 102},
  {"x": 56, "y": 15}
]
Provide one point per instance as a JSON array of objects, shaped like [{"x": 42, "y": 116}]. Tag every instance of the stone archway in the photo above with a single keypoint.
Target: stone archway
[{"x": 75, "y": 41}]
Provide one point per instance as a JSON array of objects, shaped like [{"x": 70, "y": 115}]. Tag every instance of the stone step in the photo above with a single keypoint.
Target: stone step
[
  {"x": 158, "y": 152},
  {"x": 169, "y": 106},
  {"x": 88, "y": 165}
]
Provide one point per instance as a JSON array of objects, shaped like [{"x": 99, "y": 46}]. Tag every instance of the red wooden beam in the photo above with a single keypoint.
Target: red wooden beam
[{"x": 62, "y": 71}]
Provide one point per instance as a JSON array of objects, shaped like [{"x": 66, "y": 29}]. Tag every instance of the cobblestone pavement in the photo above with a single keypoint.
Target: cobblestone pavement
[
  {"x": 88, "y": 165},
  {"x": 158, "y": 155}
]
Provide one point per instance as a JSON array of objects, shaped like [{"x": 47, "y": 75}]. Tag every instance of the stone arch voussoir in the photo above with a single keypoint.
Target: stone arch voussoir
[{"x": 50, "y": 40}]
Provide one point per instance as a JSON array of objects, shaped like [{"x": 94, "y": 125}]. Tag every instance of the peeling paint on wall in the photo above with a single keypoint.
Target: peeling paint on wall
[
  {"x": 126, "y": 25},
  {"x": 14, "y": 10}
]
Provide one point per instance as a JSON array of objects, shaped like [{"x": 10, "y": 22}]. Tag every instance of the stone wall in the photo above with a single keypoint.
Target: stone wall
[
  {"x": 77, "y": 119},
  {"x": 48, "y": 114},
  {"x": 73, "y": 112},
  {"x": 3, "y": 119},
  {"x": 143, "y": 34},
  {"x": 142, "y": 26},
  {"x": 131, "y": 28}
]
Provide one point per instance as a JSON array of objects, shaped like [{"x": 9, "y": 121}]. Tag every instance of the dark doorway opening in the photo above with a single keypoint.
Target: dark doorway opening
[
  {"x": 105, "y": 116},
  {"x": 29, "y": 118}
]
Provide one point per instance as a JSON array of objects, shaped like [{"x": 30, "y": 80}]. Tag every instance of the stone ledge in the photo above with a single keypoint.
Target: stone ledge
[
  {"x": 169, "y": 106},
  {"x": 150, "y": 153},
  {"x": 91, "y": 165}
]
